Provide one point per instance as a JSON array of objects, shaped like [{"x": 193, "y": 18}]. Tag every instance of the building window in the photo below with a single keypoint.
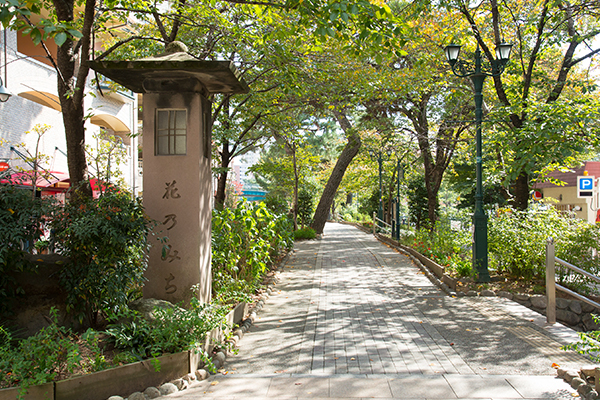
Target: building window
[{"x": 171, "y": 132}]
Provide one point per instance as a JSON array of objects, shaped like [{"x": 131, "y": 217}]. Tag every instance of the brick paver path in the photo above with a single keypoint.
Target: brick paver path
[{"x": 348, "y": 304}]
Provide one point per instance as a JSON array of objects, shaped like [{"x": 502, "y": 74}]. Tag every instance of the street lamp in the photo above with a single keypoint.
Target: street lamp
[
  {"x": 4, "y": 92},
  {"x": 379, "y": 154},
  {"x": 477, "y": 73},
  {"x": 400, "y": 169}
]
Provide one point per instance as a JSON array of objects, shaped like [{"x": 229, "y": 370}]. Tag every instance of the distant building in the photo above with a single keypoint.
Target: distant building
[{"x": 564, "y": 198}]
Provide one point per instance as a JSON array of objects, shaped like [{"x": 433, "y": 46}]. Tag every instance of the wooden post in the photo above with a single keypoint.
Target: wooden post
[
  {"x": 374, "y": 222},
  {"x": 550, "y": 282}
]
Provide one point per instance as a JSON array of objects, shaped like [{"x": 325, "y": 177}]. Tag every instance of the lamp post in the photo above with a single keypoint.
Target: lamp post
[
  {"x": 379, "y": 155},
  {"x": 477, "y": 73},
  {"x": 400, "y": 176},
  {"x": 4, "y": 92}
]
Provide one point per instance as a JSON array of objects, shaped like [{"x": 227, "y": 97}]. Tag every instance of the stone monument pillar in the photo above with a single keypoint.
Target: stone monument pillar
[{"x": 177, "y": 162}]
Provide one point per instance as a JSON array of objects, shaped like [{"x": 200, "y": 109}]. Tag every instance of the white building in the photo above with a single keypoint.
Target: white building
[{"x": 27, "y": 72}]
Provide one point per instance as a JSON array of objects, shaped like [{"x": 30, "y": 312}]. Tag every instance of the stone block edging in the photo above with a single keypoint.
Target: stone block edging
[{"x": 585, "y": 381}]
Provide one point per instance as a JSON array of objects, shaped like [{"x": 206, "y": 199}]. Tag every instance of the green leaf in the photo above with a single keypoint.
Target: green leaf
[
  {"x": 36, "y": 36},
  {"x": 75, "y": 33},
  {"x": 60, "y": 38}
]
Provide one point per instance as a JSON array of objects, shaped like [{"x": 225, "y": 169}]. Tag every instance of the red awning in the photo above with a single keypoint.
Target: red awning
[{"x": 51, "y": 181}]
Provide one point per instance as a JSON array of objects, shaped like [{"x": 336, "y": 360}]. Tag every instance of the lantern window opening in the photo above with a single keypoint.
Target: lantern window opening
[{"x": 171, "y": 131}]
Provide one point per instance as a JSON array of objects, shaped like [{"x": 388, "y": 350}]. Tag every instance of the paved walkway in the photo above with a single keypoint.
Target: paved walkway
[{"x": 353, "y": 318}]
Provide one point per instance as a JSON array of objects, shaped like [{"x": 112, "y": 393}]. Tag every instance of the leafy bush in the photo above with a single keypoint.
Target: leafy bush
[
  {"x": 107, "y": 242},
  {"x": 443, "y": 245},
  {"x": 579, "y": 246},
  {"x": 174, "y": 330},
  {"x": 351, "y": 213},
  {"x": 517, "y": 241},
  {"x": 305, "y": 233},
  {"x": 277, "y": 203},
  {"x": 48, "y": 355},
  {"x": 588, "y": 343},
  {"x": 305, "y": 207},
  {"x": 22, "y": 222},
  {"x": 460, "y": 265},
  {"x": 245, "y": 241},
  {"x": 516, "y": 244},
  {"x": 369, "y": 204},
  {"x": 418, "y": 209}
]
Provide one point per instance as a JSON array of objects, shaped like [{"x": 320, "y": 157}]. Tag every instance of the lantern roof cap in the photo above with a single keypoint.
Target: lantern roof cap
[{"x": 178, "y": 67}]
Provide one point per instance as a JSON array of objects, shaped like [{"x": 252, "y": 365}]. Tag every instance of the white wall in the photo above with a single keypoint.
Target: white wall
[{"x": 19, "y": 115}]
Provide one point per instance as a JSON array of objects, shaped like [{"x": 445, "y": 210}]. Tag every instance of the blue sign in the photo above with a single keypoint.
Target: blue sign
[
  {"x": 586, "y": 183},
  {"x": 585, "y": 187}
]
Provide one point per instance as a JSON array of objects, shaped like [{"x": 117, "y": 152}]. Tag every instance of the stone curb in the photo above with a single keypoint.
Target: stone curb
[{"x": 584, "y": 381}]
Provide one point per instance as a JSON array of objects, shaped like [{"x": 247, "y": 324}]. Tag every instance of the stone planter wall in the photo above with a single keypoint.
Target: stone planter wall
[
  {"x": 128, "y": 378},
  {"x": 574, "y": 313}
]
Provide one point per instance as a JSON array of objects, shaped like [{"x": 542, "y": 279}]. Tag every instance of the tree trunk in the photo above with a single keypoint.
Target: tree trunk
[
  {"x": 296, "y": 179},
  {"x": 389, "y": 211},
  {"x": 220, "y": 194},
  {"x": 225, "y": 160},
  {"x": 345, "y": 158},
  {"x": 71, "y": 93},
  {"x": 522, "y": 191},
  {"x": 432, "y": 205}
]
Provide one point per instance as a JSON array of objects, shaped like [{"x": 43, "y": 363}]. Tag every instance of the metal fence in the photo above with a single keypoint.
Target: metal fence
[{"x": 552, "y": 286}]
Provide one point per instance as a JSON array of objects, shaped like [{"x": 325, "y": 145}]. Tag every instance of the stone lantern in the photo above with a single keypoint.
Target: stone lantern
[{"x": 177, "y": 161}]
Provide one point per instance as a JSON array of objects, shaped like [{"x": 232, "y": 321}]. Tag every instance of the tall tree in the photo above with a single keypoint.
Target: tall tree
[
  {"x": 543, "y": 83},
  {"x": 337, "y": 174},
  {"x": 72, "y": 29},
  {"x": 71, "y": 26}
]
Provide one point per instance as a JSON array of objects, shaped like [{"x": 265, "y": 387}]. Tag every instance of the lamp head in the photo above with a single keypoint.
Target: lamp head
[
  {"x": 4, "y": 92},
  {"x": 452, "y": 52},
  {"x": 503, "y": 52}
]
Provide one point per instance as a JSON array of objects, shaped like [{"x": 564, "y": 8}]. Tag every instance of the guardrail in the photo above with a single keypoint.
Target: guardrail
[
  {"x": 382, "y": 225},
  {"x": 552, "y": 286}
]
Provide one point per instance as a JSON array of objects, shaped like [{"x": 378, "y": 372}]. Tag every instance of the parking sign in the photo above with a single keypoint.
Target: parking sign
[{"x": 585, "y": 186}]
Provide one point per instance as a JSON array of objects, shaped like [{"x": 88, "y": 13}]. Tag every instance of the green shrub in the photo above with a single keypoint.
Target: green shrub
[
  {"x": 107, "y": 242},
  {"x": 245, "y": 241},
  {"x": 418, "y": 206},
  {"x": 305, "y": 233},
  {"x": 23, "y": 220},
  {"x": 277, "y": 203},
  {"x": 579, "y": 246},
  {"x": 516, "y": 245},
  {"x": 517, "y": 240},
  {"x": 305, "y": 207},
  {"x": 49, "y": 355},
  {"x": 588, "y": 343},
  {"x": 442, "y": 245},
  {"x": 174, "y": 330}
]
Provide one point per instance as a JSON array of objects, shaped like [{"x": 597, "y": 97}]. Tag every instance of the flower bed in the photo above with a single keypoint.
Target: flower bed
[{"x": 128, "y": 378}]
